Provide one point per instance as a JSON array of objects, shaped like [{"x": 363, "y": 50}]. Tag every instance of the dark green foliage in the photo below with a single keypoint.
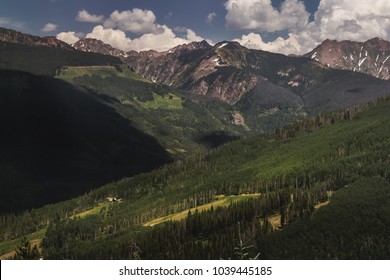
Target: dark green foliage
[
  {"x": 24, "y": 251},
  {"x": 190, "y": 126},
  {"x": 355, "y": 225},
  {"x": 46, "y": 60},
  {"x": 294, "y": 169},
  {"x": 343, "y": 89},
  {"x": 59, "y": 142},
  {"x": 217, "y": 139}
]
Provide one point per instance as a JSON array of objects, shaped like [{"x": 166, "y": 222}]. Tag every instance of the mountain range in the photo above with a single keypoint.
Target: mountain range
[
  {"x": 233, "y": 74},
  {"x": 12, "y": 36},
  {"x": 113, "y": 154}
]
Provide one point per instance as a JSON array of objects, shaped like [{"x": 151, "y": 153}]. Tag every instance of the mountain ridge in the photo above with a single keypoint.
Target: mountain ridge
[
  {"x": 370, "y": 57},
  {"x": 98, "y": 46},
  {"x": 13, "y": 36}
]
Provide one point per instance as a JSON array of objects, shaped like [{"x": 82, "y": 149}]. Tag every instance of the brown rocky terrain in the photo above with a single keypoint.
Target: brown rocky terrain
[
  {"x": 370, "y": 57},
  {"x": 97, "y": 46}
]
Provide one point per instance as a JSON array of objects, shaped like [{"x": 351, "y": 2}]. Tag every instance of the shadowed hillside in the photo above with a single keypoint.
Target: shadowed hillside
[{"x": 58, "y": 142}]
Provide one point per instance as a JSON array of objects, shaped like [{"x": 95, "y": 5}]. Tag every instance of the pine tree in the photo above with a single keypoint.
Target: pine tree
[{"x": 24, "y": 251}]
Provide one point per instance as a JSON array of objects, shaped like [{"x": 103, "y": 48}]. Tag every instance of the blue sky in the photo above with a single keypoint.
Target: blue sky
[{"x": 286, "y": 26}]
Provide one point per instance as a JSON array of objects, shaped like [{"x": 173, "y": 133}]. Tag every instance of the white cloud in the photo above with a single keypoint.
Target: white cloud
[
  {"x": 260, "y": 15},
  {"x": 152, "y": 36},
  {"x": 68, "y": 37},
  {"x": 353, "y": 19},
  {"x": 159, "y": 42},
  {"x": 115, "y": 38},
  {"x": 162, "y": 41},
  {"x": 135, "y": 21},
  {"x": 280, "y": 45},
  {"x": 84, "y": 16},
  {"x": 192, "y": 36},
  {"x": 335, "y": 19},
  {"x": 210, "y": 17},
  {"x": 79, "y": 35},
  {"x": 49, "y": 27}
]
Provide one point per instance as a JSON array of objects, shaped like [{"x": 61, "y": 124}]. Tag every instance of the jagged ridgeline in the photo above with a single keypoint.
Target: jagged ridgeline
[{"x": 263, "y": 192}]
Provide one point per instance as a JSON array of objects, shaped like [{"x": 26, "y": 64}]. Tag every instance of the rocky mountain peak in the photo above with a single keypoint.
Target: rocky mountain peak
[
  {"x": 203, "y": 45},
  {"x": 379, "y": 44},
  {"x": 232, "y": 45},
  {"x": 371, "y": 57},
  {"x": 98, "y": 46}
]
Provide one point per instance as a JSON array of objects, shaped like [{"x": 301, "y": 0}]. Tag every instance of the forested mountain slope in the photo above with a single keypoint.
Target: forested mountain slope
[{"x": 292, "y": 170}]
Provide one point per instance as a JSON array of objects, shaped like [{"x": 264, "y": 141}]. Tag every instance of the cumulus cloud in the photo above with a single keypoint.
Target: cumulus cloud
[
  {"x": 161, "y": 41},
  {"x": 210, "y": 17},
  {"x": 280, "y": 45},
  {"x": 84, "y": 16},
  {"x": 68, "y": 37},
  {"x": 353, "y": 19},
  {"x": 49, "y": 27},
  {"x": 260, "y": 15},
  {"x": 192, "y": 36},
  {"x": 335, "y": 19},
  {"x": 135, "y": 21},
  {"x": 152, "y": 36},
  {"x": 115, "y": 38}
]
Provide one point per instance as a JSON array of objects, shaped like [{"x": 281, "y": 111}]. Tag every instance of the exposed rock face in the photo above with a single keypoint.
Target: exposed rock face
[
  {"x": 264, "y": 83},
  {"x": 229, "y": 71},
  {"x": 237, "y": 118},
  {"x": 371, "y": 57},
  {"x": 199, "y": 68},
  {"x": 97, "y": 46},
  {"x": 12, "y": 36}
]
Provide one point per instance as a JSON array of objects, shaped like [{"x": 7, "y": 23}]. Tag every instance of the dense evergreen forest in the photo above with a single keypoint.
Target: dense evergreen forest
[{"x": 342, "y": 157}]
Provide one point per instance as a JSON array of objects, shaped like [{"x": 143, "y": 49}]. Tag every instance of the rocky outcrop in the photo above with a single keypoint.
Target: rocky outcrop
[
  {"x": 97, "y": 46},
  {"x": 198, "y": 68}
]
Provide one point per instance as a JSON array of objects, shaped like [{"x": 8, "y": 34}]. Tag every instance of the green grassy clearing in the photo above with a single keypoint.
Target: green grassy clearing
[
  {"x": 93, "y": 211},
  {"x": 165, "y": 102},
  {"x": 223, "y": 201},
  {"x": 69, "y": 73},
  {"x": 7, "y": 248}
]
